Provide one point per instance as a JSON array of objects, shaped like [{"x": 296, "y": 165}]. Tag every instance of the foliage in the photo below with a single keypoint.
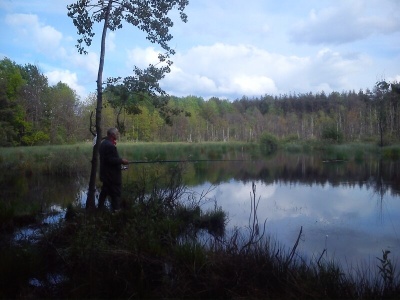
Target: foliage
[
  {"x": 32, "y": 112},
  {"x": 11, "y": 112},
  {"x": 381, "y": 101},
  {"x": 386, "y": 270},
  {"x": 331, "y": 134},
  {"x": 268, "y": 143}
]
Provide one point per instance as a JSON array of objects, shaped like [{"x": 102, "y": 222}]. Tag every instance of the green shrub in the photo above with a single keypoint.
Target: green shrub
[
  {"x": 36, "y": 138},
  {"x": 291, "y": 138},
  {"x": 392, "y": 153},
  {"x": 268, "y": 143},
  {"x": 332, "y": 134}
]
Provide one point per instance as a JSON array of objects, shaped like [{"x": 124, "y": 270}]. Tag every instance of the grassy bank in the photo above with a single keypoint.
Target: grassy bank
[
  {"x": 72, "y": 159},
  {"x": 62, "y": 160}
]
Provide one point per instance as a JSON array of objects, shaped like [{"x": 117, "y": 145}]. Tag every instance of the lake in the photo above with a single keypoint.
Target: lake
[{"x": 349, "y": 208}]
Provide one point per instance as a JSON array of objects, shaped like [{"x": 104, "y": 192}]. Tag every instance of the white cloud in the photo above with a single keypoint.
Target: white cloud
[
  {"x": 395, "y": 78},
  {"x": 218, "y": 70},
  {"x": 345, "y": 22},
  {"x": 47, "y": 41},
  {"x": 68, "y": 78},
  {"x": 252, "y": 85},
  {"x": 88, "y": 63},
  {"x": 142, "y": 57},
  {"x": 30, "y": 31},
  {"x": 238, "y": 70},
  {"x": 227, "y": 49}
]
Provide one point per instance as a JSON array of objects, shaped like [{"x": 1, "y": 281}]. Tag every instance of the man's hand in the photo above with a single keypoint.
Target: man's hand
[{"x": 125, "y": 161}]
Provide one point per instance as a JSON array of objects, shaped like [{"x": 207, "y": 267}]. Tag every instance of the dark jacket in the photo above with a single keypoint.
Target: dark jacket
[{"x": 110, "y": 163}]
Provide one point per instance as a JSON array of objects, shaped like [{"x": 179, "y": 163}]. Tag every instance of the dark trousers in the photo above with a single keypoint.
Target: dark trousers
[{"x": 112, "y": 190}]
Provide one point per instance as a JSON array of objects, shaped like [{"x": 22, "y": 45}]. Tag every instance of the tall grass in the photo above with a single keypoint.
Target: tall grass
[
  {"x": 342, "y": 152},
  {"x": 187, "y": 151},
  {"x": 63, "y": 160},
  {"x": 73, "y": 159}
]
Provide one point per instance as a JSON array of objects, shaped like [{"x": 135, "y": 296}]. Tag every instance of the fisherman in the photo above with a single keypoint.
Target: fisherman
[{"x": 110, "y": 170}]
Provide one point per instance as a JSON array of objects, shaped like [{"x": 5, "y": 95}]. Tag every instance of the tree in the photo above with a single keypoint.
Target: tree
[
  {"x": 7, "y": 109},
  {"x": 32, "y": 100},
  {"x": 381, "y": 92},
  {"x": 149, "y": 16},
  {"x": 12, "y": 115},
  {"x": 33, "y": 91},
  {"x": 61, "y": 113}
]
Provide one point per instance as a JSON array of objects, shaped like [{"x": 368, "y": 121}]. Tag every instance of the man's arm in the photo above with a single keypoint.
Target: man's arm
[{"x": 112, "y": 157}]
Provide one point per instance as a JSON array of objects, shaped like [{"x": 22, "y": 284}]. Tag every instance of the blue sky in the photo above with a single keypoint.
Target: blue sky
[{"x": 228, "y": 48}]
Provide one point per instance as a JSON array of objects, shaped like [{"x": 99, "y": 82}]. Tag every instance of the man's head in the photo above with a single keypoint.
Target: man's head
[{"x": 113, "y": 133}]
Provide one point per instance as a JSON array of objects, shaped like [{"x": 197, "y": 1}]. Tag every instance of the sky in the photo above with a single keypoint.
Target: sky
[{"x": 227, "y": 49}]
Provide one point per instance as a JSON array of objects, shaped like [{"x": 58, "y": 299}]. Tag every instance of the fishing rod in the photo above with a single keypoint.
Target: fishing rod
[
  {"x": 125, "y": 167},
  {"x": 180, "y": 161}
]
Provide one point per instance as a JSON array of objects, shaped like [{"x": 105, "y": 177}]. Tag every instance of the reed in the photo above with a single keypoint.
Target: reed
[
  {"x": 63, "y": 159},
  {"x": 186, "y": 151},
  {"x": 75, "y": 159},
  {"x": 357, "y": 152}
]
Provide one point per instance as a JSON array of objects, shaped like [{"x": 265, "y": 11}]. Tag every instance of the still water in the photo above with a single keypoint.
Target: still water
[
  {"x": 352, "y": 223},
  {"x": 350, "y": 209}
]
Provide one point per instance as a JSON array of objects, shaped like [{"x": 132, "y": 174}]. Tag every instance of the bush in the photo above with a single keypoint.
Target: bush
[
  {"x": 268, "y": 143},
  {"x": 332, "y": 133},
  {"x": 36, "y": 138}
]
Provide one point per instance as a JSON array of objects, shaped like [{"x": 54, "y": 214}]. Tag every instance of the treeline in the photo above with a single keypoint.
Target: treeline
[
  {"x": 337, "y": 117},
  {"x": 32, "y": 113},
  {"x": 347, "y": 116}
]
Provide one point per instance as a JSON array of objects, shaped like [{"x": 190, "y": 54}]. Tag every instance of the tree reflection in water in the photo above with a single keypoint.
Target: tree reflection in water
[{"x": 351, "y": 209}]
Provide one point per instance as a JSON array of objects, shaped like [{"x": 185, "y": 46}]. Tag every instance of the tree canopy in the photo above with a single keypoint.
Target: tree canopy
[{"x": 34, "y": 113}]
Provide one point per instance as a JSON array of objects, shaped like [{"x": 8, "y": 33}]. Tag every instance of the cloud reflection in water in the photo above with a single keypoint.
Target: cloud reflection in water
[{"x": 353, "y": 223}]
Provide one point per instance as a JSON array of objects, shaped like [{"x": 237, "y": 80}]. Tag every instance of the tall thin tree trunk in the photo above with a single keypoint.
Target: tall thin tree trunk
[{"x": 90, "y": 201}]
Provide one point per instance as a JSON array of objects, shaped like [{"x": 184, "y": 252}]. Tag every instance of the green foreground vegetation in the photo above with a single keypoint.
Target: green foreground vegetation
[{"x": 163, "y": 245}]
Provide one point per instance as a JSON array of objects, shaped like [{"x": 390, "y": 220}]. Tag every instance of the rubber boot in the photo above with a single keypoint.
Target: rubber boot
[
  {"x": 102, "y": 199},
  {"x": 116, "y": 203}
]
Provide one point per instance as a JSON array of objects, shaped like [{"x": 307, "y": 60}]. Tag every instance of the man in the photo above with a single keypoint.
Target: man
[{"x": 110, "y": 170}]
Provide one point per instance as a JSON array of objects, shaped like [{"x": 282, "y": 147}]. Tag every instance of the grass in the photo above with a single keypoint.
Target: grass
[
  {"x": 187, "y": 151},
  {"x": 73, "y": 159},
  {"x": 62, "y": 160},
  {"x": 342, "y": 152}
]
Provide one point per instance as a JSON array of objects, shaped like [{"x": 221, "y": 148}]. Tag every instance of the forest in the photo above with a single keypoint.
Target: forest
[{"x": 32, "y": 112}]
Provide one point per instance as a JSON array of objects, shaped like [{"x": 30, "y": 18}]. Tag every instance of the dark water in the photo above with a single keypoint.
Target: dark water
[{"x": 350, "y": 209}]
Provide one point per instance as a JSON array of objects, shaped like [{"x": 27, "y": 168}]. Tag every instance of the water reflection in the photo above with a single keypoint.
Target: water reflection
[
  {"x": 352, "y": 209},
  {"x": 344, "y": 220}
]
